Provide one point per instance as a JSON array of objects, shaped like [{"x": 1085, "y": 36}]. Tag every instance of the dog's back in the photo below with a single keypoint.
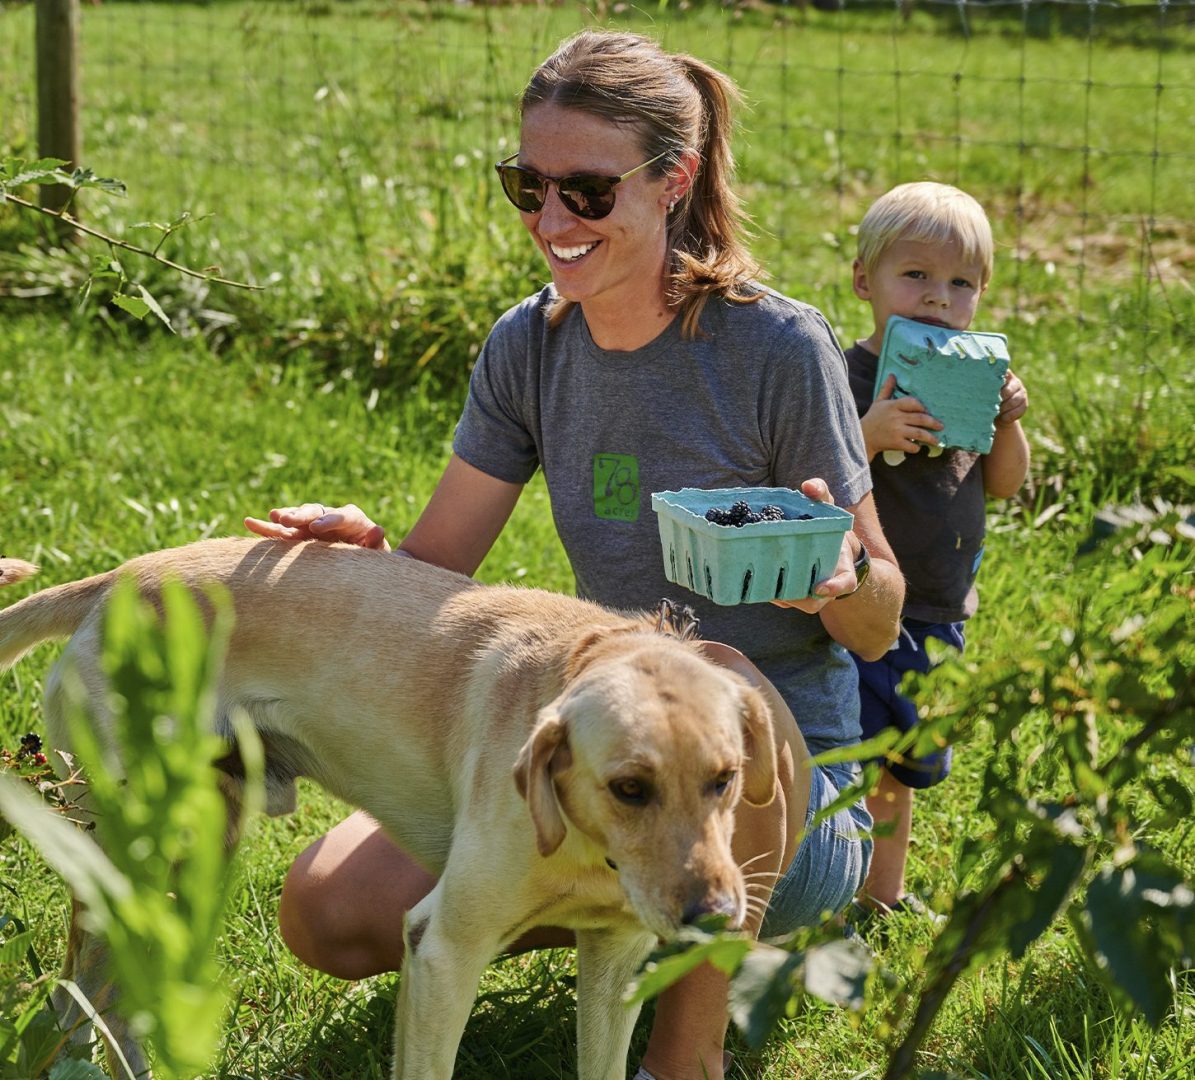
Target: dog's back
[{"x": 336, "y": 654}]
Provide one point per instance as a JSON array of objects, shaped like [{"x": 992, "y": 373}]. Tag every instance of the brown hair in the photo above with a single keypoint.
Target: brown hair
[{"x": 677, "y": 103}]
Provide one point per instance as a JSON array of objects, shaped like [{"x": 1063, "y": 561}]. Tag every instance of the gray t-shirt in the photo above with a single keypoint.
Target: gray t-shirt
[{"x": 759, "y": 399}]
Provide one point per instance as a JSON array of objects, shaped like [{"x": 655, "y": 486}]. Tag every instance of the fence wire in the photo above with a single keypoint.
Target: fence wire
[{"x": 1073, "y": 122}]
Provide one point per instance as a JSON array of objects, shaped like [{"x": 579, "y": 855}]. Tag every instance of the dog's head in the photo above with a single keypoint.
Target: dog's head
[{"x": 646, "y": 752}]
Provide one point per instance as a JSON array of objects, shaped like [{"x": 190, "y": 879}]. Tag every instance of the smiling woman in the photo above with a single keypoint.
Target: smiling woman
[{"x": 653, "y": 361}]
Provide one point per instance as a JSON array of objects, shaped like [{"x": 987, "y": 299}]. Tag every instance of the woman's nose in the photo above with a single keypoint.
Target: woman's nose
[{"x": 554, "y": 215}]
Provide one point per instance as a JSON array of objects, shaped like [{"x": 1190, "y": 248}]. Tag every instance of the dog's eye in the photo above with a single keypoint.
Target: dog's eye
[
  {"x": 723, "y": 780},
  {"x": 632, "y": 792}
]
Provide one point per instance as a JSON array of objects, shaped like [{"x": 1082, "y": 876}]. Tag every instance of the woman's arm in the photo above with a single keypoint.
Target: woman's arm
[
  {"x": 457, "y": 528},
  {"x": 462, "y": 519},
  {"x": 866, "y": 621}
]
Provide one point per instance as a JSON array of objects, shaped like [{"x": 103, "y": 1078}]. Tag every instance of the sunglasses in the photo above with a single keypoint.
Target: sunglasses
[{"x": 586, "y": 195}]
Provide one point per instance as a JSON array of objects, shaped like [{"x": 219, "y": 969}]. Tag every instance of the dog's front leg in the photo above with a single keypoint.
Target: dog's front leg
[
  {"x": 446, "y": 954},
  {"x": 86, "y": 965},
  {"x": 607, "y": 960}
]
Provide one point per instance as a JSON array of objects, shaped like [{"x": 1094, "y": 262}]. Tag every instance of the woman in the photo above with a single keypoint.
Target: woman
[{"x": 653, "y": 361}]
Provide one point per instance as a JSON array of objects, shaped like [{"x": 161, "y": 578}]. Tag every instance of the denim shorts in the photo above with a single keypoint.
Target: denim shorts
[{"x": 831, "y": 861}]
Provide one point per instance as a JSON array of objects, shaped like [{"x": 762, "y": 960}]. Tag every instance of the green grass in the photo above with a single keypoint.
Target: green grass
[
  {"x": 344, "y": 151},
  {"x": 114, "y": 448},
  {"x": 341, "y": 154}
]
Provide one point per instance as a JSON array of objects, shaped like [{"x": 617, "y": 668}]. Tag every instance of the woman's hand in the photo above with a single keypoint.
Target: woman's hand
[
  {"x": 897, "y": 423},
  {"x": 314, "y": 521},
  {"x": 843, "y": 580}
]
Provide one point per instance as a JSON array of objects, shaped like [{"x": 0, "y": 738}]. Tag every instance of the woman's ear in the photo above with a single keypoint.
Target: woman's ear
[{"x": 680, "y": 178}]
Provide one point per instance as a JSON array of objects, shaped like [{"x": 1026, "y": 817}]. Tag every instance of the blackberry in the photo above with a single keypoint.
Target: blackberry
[
  {"x": 739, "y": 512},
  {"x": 719, "y": 515},
  {"x": 30, "y": 744},
  {"x": 771, "y": 513}
]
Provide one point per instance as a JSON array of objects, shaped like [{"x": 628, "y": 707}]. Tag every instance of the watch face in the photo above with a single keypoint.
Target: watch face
[{"x": 862, "y": 564}]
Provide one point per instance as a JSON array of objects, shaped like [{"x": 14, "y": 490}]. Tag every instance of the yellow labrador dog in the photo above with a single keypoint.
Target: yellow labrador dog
[{"x": 553, "y": 762}]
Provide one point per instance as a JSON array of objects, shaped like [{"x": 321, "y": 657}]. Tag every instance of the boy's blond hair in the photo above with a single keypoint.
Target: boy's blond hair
[{"x": 929, "y": 213}]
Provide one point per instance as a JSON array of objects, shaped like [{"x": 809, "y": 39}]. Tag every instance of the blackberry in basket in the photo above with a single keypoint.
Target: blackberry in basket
[{"x": 740, "y": 513}]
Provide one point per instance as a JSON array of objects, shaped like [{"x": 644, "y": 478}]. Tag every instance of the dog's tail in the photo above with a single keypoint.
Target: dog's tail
[{"x": 51, "y": 613}]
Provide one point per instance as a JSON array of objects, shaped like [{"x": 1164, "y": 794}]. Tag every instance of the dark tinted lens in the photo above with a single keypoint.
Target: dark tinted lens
[
  {"x": 587, "y": 196},
  {"x": 524, "y": 189}
]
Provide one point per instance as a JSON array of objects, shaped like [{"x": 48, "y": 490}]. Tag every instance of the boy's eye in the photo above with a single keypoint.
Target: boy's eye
[
  {"x": 962, "y": 283},
  {"x": 917, "y": 274}
]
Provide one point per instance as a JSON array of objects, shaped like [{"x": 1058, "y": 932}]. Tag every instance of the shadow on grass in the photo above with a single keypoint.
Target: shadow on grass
[{"x": 522, "y": 1027}]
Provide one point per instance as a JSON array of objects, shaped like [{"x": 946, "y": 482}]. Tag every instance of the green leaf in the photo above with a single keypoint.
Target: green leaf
[
  {"x": 692, "y": 948},
  {"x": 88, "y": 871},
  {"x": 837, "y": 972},
  {"x": 86, "y": 178},
  {"x": 1135, "y": 916},
  {"x": 154, "y": 306},
  {"x": 1066, "y": 866},
  {"x": 12, "y": 950},
  {"x": 75, "y": 1069},
  {"x": 762, "y": 991},
  {"x": 137, "y": 308}
]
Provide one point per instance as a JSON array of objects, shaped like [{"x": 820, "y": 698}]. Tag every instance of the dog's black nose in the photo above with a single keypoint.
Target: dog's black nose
[{"x": 699, "y": 908}]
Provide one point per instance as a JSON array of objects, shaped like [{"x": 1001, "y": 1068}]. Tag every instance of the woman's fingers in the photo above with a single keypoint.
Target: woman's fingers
[
  {"x": 317, "y": 521},
  {"x": 272, "y": 530}
]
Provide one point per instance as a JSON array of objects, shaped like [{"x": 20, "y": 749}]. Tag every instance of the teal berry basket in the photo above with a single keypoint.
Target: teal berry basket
[
  {"x": 956, "y": 374},
  {"x": 748, "y": 564}
]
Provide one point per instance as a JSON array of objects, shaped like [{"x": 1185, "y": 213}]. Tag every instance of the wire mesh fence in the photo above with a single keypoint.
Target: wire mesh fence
[{"x": 342, "y": 143}]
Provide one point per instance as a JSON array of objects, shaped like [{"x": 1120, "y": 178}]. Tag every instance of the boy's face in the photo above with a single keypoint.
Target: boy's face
[{"x": 933, "y": 283}]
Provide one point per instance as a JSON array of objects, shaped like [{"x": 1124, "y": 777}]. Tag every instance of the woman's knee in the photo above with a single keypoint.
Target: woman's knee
[
  {"x": 310, "y": 920},
  {"x": 344, "y": 900}
]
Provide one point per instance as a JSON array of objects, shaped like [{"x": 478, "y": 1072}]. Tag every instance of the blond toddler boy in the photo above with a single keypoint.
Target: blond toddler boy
[{"x": 925, "y": 252}]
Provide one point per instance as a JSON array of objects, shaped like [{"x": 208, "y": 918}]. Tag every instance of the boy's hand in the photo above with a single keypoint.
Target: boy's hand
[
  {"x": 897, "y": 423},
  {"x": 1014, "y": 401}
]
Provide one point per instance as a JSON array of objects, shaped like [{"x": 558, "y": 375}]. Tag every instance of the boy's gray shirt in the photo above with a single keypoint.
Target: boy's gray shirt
[{"x": 761, "y": 398}]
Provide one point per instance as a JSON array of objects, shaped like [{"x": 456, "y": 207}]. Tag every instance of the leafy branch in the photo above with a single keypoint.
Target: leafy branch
[
  {"x": 1105, "y": 668},
  {"x": 16, "y": 173}
]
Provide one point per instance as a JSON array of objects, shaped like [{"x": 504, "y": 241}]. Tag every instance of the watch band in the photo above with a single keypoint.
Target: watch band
[{"x": 862, "y": 569}]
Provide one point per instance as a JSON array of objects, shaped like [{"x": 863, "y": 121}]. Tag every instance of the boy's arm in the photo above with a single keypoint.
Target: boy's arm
[{"x": 1006, "y": 465}]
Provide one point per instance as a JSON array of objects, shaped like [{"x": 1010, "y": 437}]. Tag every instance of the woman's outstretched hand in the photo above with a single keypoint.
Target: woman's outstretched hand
[
  {"x": 314, "y": 521},
  {"x": 842, "y": 580}
]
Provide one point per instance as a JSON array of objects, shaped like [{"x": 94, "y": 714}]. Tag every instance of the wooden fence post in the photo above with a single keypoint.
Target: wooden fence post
[{"x": 58, "y": 90}]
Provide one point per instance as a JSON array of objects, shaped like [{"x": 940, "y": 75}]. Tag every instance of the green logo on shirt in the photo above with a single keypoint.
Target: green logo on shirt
[{"x": 616, "y": 486}]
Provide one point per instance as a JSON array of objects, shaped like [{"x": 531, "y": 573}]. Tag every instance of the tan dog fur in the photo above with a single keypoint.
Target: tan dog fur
[{"x": 413, "y": 692}]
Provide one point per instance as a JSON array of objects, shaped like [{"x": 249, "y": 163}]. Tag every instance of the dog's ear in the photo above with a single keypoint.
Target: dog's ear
[
  {"x": 582, "y": 652},
  {"x": 759, "y": 770},
  {"x": 543, "y": 754}
]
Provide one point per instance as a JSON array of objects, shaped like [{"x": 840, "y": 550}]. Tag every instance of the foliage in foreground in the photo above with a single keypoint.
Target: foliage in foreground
[
  {"x": 1111, "y": 669},
  {"x": 155, "y": 887}
]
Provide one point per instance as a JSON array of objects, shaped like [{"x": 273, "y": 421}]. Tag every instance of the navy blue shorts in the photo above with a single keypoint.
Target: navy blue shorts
[{"x": 883, "y": 706}]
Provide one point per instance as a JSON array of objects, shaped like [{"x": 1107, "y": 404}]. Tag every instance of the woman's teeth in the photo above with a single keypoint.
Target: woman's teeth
[{"x": 570, "y": 254}]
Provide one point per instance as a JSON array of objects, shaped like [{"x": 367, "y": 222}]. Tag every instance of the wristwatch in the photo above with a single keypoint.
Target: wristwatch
[{"x": 862, "y": 569}]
